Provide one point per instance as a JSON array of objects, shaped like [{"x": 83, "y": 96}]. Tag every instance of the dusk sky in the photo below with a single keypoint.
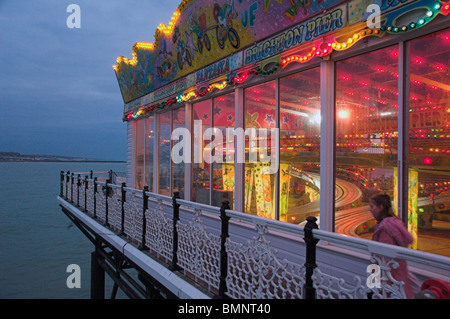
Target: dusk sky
[{"x": 58, "y": 91}]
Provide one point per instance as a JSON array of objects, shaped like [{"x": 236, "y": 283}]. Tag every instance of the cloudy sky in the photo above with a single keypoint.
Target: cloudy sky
[{"x": 58, "y": 91}]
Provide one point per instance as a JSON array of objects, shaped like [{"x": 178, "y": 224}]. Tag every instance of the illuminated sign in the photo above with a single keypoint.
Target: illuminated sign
[
  {"x": 298, "y": 34},
  {"x": 219, "y": 68}
]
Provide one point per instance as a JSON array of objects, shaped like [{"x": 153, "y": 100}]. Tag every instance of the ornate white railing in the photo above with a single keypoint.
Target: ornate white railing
[
  {"x": 238, "y": 255},
  {"x": 387, "y": 257}
]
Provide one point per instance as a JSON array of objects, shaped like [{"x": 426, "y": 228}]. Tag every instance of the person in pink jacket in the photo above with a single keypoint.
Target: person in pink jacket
[{"x": 390, "y": 230}]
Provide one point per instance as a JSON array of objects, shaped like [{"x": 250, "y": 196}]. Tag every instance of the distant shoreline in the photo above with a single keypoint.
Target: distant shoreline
[
  {"x": 13, "y": 157},
  {"x": 59, "y": 161}
]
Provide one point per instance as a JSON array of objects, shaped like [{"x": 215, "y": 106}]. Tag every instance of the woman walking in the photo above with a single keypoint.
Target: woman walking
[{"x": 390, "y": 230}]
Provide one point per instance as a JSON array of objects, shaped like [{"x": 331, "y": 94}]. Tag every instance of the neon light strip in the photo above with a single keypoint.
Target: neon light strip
[
  {"x": 181, "y": 97},
  {"x": 355, "y": 38},
  {"x": 219, "y": 86},
  {"x": 244, "y": 77},
  {"x": 429, "y": 15},
  {"x": 297, "y": 58},
  {"x": 329, "y": 47},
  {"x": 445, "y": 8}
]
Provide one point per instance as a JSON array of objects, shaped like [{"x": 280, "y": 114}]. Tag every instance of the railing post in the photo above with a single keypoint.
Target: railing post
[
  {"x": 176, "y": 218},
  {"x": 67, "y": 181},
  {"x": 223, "y": 252},
  {"x": 62, "y": 184},
  {"x": 144, "y": 220},
  {"x": 95, "y": 200},
  {"x": 106, "y": 201},
  {"x": 124, "y": 199},
  {"x": 85, "y": 192},
  {"x": 78, "y": 189},
  {"x": 310, "y": 264},
  {"x": 71, "y": 188}
]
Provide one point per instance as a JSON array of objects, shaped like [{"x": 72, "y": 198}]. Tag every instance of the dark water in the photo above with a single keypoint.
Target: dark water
[{"x": 37, "y": 241}]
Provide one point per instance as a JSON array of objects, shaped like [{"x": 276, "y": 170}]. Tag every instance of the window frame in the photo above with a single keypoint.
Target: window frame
[{"x": 327, "y": 129}]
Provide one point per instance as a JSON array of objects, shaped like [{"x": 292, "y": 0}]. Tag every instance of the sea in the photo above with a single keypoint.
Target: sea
[{"x": 37, "y": 240}]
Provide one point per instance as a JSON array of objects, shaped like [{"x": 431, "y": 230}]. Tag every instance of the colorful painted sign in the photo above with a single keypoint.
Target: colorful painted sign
[
  {"x": 298, "y": 34},
  {"x": 228, "y": 177},
  {"x": 413, "y": 196},
  {"x": 264, "y": 192},
  {"x": 172, "y": 88},
  {"x": 285, "y": 181},
  {"x": 202, "y": 32},
  {"x": 205, "y": 40},
  {"x": 219, "y": 68},
  {"x": 161, "y": 93}
]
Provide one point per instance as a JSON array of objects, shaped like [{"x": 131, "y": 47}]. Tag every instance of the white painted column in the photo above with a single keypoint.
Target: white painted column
[
  {"x": 239, "y": 168},
  {"x": 211, "y": 166},
  {"x": 156, "y": 156},
  {"x": 146, "y": 155},
  {"x": 130, "y": 154},
  {"x": 327, "y": 141},
  {"x": 188, "y": 166},
  {"x": 277, "y": 125}
]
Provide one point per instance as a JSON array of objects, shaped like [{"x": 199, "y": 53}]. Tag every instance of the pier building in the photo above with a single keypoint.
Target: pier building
[{"x": 297, "y": 113}]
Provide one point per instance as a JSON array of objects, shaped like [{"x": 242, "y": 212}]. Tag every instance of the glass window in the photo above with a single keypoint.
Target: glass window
[
  {"x": 151, "y": 143},
  {"x": 366, "y": 136},
  {"x": 165, "y": 160},
  {"x": 259, "y": 188},
  {"x": 223, "y": 173},
  {"x": 178, "y": 119},
  {"x": 429, "y": 143},
  {"x": 299, "y": 146},
  {"x": 200, "y": 165},
  {"x": 141, "y": 149}
]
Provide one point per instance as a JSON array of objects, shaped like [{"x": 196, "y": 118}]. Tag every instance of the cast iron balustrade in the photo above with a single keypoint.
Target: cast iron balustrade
[{"x": 236, "y": 255}]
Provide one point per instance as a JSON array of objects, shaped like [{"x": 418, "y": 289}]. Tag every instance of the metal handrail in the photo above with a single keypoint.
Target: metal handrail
[
  {"x": 159, "y": 196},
  {"x": 386, "y": 250},
  {"x": 251, "y": 219}
]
